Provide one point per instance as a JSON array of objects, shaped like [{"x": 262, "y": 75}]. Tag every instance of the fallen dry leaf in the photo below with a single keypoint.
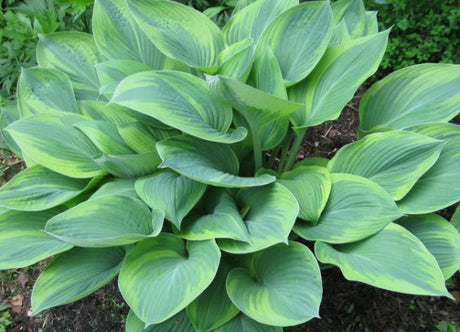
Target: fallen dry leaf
[
  {"x": 23, "y": 280},
  {"x": 16, "y": 303}
]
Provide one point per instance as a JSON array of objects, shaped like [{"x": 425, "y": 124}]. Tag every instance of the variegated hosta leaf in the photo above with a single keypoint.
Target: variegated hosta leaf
[
  {"x": 174, "y": 275},
  {"x": 439, "y": 187},
  {"x": 395, "y": 160},
  {"x": 106, "y": 221},
  {"x": 282, "y": 285},
  {"x": 74, "y": 275},
  {"x": 123, "y": 187},
  {"x": 242, "y": 323},
  {"x": 180, "y": 32},
  {"x": 236, "y": 60},
  {"x": 172, "y": 193},
  {"x": 251, "y": 21},
  {"x": 117, "y": 114},
  {"x": 356, "y": 209},
  {"x": 353, "y": 13},
  {"x": 139, "y": 137},
  {"x": 455, "y": 220},
  {"x": 180, "y": 100},
  {"x": 118, "y": 36},
  {"x": 408, "y": 100},
  {"x": 220, "y": 218},
  {"x": 260, "y": 109},
  {"x": 213, "y": 308},
  {"x": 392, "y": 259},
  {"x": 38, "y": 188},
  {"x": 43, "y": 90},
  {"x": 206, "y": 162},
  {"x": 9, "y": 114},
  {"x": 269, "y": 214},
  {"x": 22, "y": 240},
  {"x": 129, "y": 165},
  {"x": 105, "y": 136},
  {"x": 266, "y": 73},
  {"x": 332, "y": 83},
  {"x": 50, "y": 140},
  {"x": 298, "y": 38},
  {"x": 371, "y": 23},
  {"x": 440, "y": 238},
  {"x": 311, "y": 187},
  {"x": 177, "y": 323},
  {"x": 112, "y": 72},
  {"x": 75, "y": 54}
]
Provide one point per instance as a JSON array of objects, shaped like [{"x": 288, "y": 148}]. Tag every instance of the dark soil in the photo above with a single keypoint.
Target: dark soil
[{"x": 346, "y": 306}]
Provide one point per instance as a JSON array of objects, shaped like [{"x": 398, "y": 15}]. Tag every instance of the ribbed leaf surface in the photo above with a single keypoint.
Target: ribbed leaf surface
[
  {"x": 167, "y": 270},
  {"x": 281, "y": 287},
  {"x": 392, "y": 259}
]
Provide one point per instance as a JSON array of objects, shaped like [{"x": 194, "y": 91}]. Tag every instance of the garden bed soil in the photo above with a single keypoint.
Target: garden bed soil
[{"x": 346, "y": 306}]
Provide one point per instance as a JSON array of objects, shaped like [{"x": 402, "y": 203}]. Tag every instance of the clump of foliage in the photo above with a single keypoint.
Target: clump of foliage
[
  {"x": 423, "y": 31},
  {"x": 20, "y": 24},
  {"x": 163, "y": 150}
]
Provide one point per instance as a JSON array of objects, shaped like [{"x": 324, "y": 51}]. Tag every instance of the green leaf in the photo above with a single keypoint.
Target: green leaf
[
  {"x": 106, "y": 221},
  {"x": 180, "y": 32},
  {"x": 282, "y": 285},
  {"x": 50, "y": 140},
  {"x": 9, "y": 114},
  {"x": 43, "y": 90},
  {"x": 218, "y": 217},
  {"x": 206, "y": 162},
  {"x": 129, "y": 165},
  {"x": 332, "y": 83},
  {"x": 123, "y": 187},
  {"x": 112, "y": 72},
  {"x": 242, "y": 323},
  {"x": 139, "y": 137},
  {"x": 311, "y": 187},
  {"x": 266, "y": 73},
  {"x": 395, "y": 160},
  {"x": 408, "y": 100},
  {"x": 371, "y": 23},
  {"x": 439, "y": 187},
  {"x": 236, "y": 60},
  {"x": 180, "y": 100},
  {"x": 269, "y": 214},
  {"x": 261, "y": 110},
  {"x": 177, "y": 323},
  {"x": 38, "y": 188},
  {"x": 455, "y": 220},
  {"x": 172, "y": 193},
  {"x": 117, "y": 114},
  {"x": 356, "y": 209},
  {"x": 213, "y": 307},
  {"x": 118, "y": 36},
  {"x": 440, "y": 238},
  {"x": 22, "y": 240},
  {"x": 75, "y": 54},
  {"x": 74, "y": 275},
  {"x": 392, "y": 259},
  {"x": 251, "y": 21},
  {"x": 105, "y": 136},
  {"x": 353, "y": 13},
  {"x": 298, "y": 38},
  {"x": 186, "y": 270}
]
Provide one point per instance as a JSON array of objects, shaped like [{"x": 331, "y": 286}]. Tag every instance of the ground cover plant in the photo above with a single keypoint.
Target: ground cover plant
[{"x": 163, "y": 150}]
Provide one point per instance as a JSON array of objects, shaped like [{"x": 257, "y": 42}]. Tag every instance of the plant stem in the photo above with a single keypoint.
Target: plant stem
[
  {"x": 284, "y": 152},
  {"x": 299, "y": 133}
]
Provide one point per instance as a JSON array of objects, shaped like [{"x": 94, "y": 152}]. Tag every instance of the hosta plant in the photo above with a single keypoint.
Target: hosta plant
[{"x": 162, "y": 150}]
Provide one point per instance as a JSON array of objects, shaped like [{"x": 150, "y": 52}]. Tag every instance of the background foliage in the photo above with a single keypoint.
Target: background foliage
[
  {"x": 423, "y": 31},
  {"x": 20, "y": 24}
]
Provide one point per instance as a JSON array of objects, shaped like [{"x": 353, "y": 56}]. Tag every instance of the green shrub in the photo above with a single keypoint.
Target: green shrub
[
  {"x": 20, "y": 25},
  {"x": 148, "y": 144},
  {"x": 423, "y": 31}
]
